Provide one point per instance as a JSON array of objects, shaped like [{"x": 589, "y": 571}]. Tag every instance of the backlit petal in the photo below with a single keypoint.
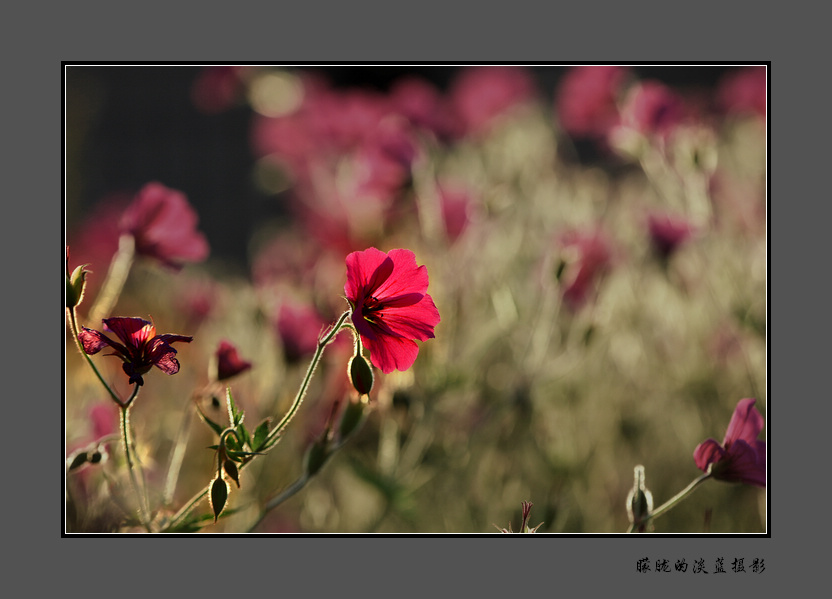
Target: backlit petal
[{"x": 746, "y": 422}]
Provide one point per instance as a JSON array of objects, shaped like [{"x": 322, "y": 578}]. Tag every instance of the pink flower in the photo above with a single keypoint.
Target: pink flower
[
  {"x": 667, "y": 233},
  {"x": 298, "y": 326},
  {"x": 743, "y": 91},
  {"x": 741, "y": 457},
  {"x": 229, "y": 362},
  {"x": 390, "y": 305},
  {"x": 140, "y": 346},
  {"x": 586, "y": 257},
  {"x": 586, "y": 100},
  {"x": 456, "y": 204},
  {"x": 651, "y": 108},
  {"x": 163, "y": 225},
  {"x": 421, "y": 103},
  {"x": 480, "y": 95}
]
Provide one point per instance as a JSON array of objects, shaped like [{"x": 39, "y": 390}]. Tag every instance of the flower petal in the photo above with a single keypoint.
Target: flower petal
[
  {"x": 389, "y": 353},
  {"x": 412, "y": 322},
  {"x": 93, "y": 341},
  {"x": 706, "y": 453},
  {"x": 365, "y": 272},
  {"x": 744, "y": 464},
  {"x": 133, "y": 332},
  {"x": 746, "y": 423},
  {"x": 406, "y": 278}
]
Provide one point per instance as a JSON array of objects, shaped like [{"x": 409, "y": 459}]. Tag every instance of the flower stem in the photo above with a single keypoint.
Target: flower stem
[
  {"x": 116, "y": 276},
  {"x": 73, "y": 325},
  {"x": 322, "y": 343},
  {"x": 131, "y": 467},
  {"x": 670, "y": 503},
  {"x": 275, "y": 432}
]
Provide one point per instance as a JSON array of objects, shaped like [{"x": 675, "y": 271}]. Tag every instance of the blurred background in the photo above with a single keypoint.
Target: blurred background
[{"x": 595, "y": 237}]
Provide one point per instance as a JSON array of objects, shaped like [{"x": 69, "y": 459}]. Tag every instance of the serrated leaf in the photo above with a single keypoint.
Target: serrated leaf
[
  {"x": 235, "y": 415},
  {"x": 243, "y": 432},
  {"x": 260, "y": 434}
]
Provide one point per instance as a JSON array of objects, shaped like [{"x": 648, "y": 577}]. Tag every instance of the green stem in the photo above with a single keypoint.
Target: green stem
[
  {"x": 274, "y": 433},
  {"x": 131, "y": 467},
  {"x": 322, "y": 343},
  {"x": 73, "y": 325},
  {"x": 116, "y": 277},
  {"x": 670, "y": 503}
]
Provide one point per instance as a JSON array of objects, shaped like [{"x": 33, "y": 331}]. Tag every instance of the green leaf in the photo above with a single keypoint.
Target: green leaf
[
  {"x": 235, "y": 415},
  {"x": 217, "y": 428},
  {"x": 261, "y": 433},
  {"x": 243, "y": 432}
]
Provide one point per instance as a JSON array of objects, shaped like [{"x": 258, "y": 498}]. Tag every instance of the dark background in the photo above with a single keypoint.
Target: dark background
[{"x": 128, "y": 125}]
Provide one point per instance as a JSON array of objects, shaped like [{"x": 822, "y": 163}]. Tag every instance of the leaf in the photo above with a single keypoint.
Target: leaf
[
  {"x": 243, "y": 432},
  {"x": 235, "y": 415},
  {"x": 217, "y": 428},
  {"x": 261, "y": 433}
]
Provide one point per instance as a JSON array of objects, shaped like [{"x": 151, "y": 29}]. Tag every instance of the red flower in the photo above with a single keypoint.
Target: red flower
[
  {"x": 743, "y": 91},
  {"x": 140, "y": 346},
  {"x": 652, "y": 108},
  {"x": 586, "y": 257},
  {"x": 163, "y": 225},
  {"x": 741, "y": 457},
  {"x": 667, "y": 233},
  {"x": 390, "y": 305},
  {"x": 481, "y": 95},
  {"x": 229, "y": 362}
]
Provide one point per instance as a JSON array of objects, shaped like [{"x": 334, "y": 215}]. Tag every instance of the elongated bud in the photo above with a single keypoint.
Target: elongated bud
[
  {"x": 75, "y": 284},
  {"x": 351, "y": 418},
  {"x": 231, "y": 470},
  {"x": 219, "y": 495},
  {"x": 361, "y": 374},
  {"x": 316, "y": 456},
  {"x": 640, "y": 500}
]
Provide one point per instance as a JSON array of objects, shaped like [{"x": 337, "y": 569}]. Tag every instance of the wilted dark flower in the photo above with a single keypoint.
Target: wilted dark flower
[{"x": 229, "y": 362}]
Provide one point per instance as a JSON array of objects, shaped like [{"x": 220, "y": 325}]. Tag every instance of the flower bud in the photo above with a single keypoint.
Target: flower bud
[
  {"x": 78, "y": 460},
  {"x": 361, "y": 374},
  {"x": 75, "y": 284},
  {"x": 316, "y": 456},
  {"x": 231, "y": 470},
  {"x": 351, "y": 418},
  {"x": 639, "y": 501},
  {"x": 219, "y": 495}
]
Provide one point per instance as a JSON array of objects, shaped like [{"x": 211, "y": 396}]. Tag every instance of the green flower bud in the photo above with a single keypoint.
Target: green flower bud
[
  {"x": 219, "y": 495},
  {"x": 231, "y": 470},
  {"x": 351, "y": 418},
  {"x": 316, "y": 456},
  {"x": 639, "y": 501},
  {"x": 361, "y": 374},
  {"x": 75, "y": 284}
]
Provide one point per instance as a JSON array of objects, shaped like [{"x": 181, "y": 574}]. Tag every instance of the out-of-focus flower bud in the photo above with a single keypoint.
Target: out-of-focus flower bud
[
  {"x": 77, "y": 460},
  {"x": 361, "y": 374},
  {"x": 639, "y": 501},
  {"x": 353, "y": 416},
  {"x": 316, "y": 455},
  {"x": 219, "y": 495}
]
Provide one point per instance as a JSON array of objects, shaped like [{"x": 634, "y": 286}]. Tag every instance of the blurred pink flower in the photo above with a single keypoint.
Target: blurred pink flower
[
  {"x": 298, "y": 326},
  {"x": 481, "y": 94},
  {"x": 140, "y": 346},
  {"x": 390, "y": 305},
  {"x": 743, "y": 91},
  {"x": 456, "y": 204},
  {"x": 217, "y": 88},
  {"x": 424, "y": 106},
  {"x": 652, "y": 109},
  {"x": 163, "y": 225},
  {"x": 667, "y": 233},
  {"x": 229, "y": 362},
  {"x": 741, "y": 457},
  {"x": 585, "y": 104},
  {"x": 586, "y": 256}
]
